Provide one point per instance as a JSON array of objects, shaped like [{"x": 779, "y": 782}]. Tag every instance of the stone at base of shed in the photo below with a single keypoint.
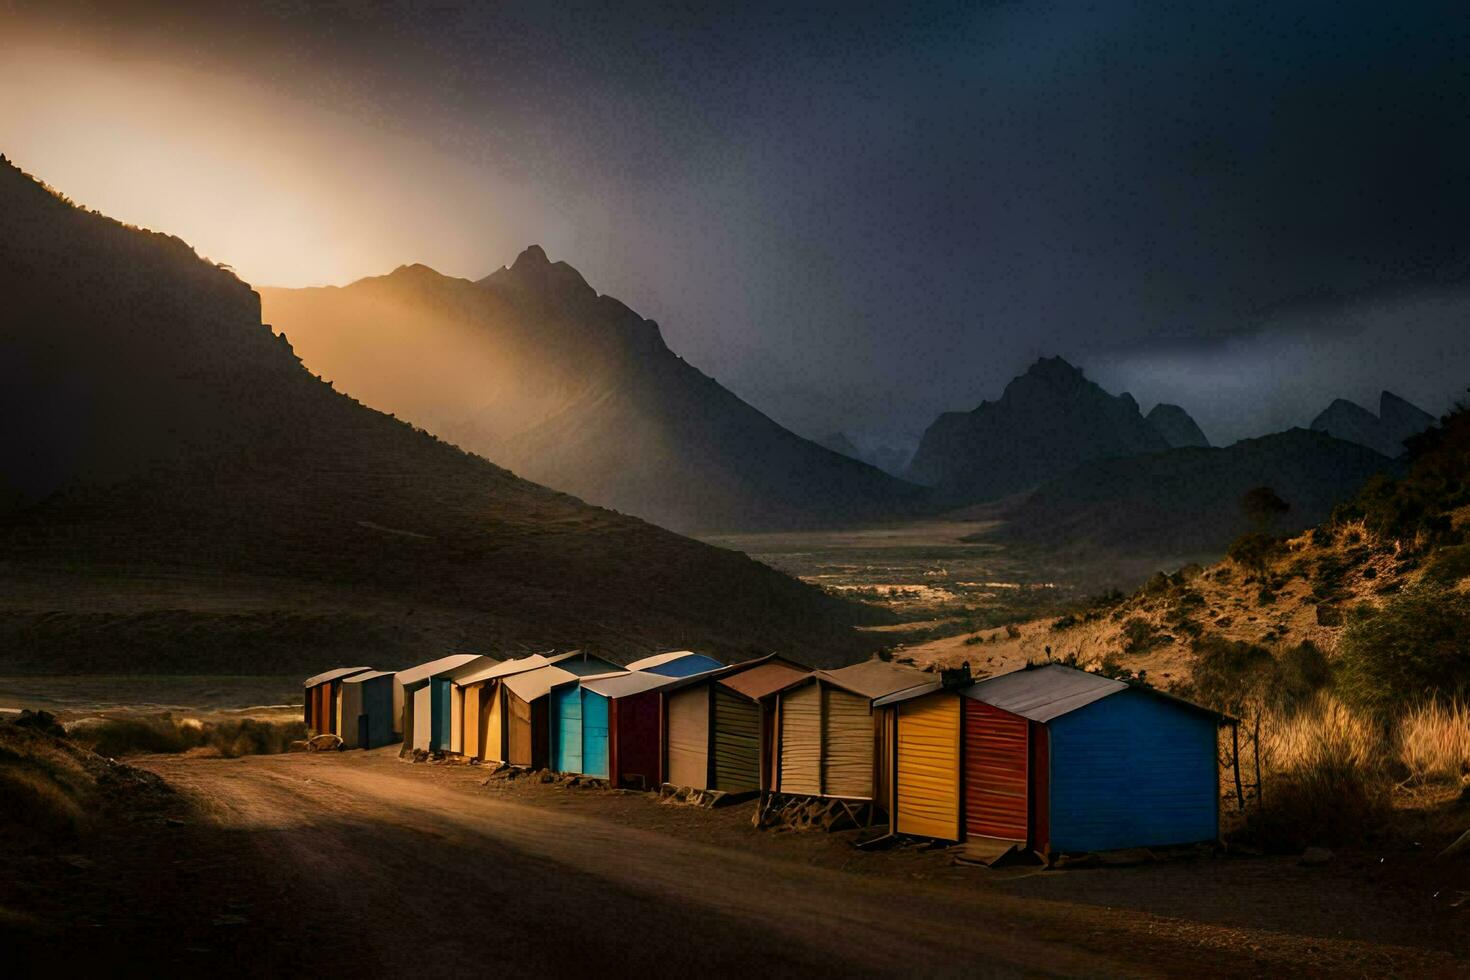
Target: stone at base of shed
[
  {"x": 802, "y": 813},
  {"x": 672, "y": 795}
]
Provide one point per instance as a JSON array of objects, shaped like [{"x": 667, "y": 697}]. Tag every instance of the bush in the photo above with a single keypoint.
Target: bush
[
  {"x": 1325, "y": 783},
  {"x": 1064, "y": 623},
  {"x": 1448, "y": 565},
  {"x": 1254, "y": 551},
  {"x": 1434, "y": 740},
  {"x": 1412, "y": 649},
  {"x": 1140, "y": 636},
  {"x": 1235, "y": 677},
  {"x": 118, "y": 737}
]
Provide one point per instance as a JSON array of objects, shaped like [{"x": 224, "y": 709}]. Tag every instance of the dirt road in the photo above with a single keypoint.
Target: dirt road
[{"x": 344, "y": 863}]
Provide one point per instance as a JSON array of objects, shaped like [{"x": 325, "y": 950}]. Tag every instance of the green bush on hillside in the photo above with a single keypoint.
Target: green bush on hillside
[
  {"x": 1414, "y": 648},
  {"x": 1238, "y": 677}
]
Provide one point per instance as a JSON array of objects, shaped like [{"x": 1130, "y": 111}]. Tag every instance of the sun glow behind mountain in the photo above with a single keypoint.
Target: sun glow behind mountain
[{"x": 284, "y": 192}]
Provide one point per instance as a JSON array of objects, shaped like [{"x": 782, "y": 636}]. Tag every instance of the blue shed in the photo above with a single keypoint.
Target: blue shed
[
  {"x": 679, "y": 663},
  {"x": 1104, "y": 764}
]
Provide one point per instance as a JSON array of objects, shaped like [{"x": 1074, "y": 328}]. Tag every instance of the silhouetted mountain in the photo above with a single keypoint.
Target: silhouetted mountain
[
  {"x": 839, "y": 443},
  {"x": 1396, "y": 421},
  {"x": 181, "y": 495},
  {"x": 1048, "y": 420},
  {"x": 1176, "y": 426},
  {"x": 1186, "y": 503},
  {"x": 534, "y": 369}
]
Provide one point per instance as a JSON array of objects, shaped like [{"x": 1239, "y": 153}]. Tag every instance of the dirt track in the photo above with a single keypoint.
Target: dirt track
[{"x": 358, "y": 862}]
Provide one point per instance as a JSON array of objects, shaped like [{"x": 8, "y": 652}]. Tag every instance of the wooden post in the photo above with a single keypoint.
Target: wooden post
[
  {"x": 1235, "y": 760},
  {"x": 1260, "y": 783}
]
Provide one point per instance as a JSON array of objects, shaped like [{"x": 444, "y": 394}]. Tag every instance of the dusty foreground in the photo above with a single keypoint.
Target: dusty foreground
[{"x": 359, "y": 863}]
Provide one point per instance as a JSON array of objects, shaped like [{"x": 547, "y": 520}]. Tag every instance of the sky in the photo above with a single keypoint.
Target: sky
[{"x": 854, "y": 216}]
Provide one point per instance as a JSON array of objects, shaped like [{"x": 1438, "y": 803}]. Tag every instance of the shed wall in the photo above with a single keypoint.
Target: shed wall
[
  {"x": 349, "y": 708},
  {"x": 997, "y": 770},
  {"x": 801, "y": 737},
  {"x": 688, "y": 737},
  {"x": 1133, "y": 770},
  {"x": 518, "y": 728},
  {"x": 634, "y": 721},
  {"x": 471, "y": 745},
  {"x": 847, "y": 744},
  {"x": 736, "y": 742},
  {"x": 566, "y": 729},
  {"x": 423, "y": 715},
  {"x": 492, "y": 731},
  {"x": 594, "y": 734},
  {"x": 928, "y": 775}
]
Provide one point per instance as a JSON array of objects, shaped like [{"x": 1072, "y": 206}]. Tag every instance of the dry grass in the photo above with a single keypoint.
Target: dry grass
[
  {"x": 1434, "y": 741},
  {"x": 119, "y": 737},
  {"x": 1333, "y": 775}
]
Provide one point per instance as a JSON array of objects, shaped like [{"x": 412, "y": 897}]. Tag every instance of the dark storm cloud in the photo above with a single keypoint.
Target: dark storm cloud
[{"x": 859, "y": 216}]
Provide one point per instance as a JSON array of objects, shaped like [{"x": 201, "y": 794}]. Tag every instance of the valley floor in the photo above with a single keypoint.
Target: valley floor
[{"x": 360, "y": 863}]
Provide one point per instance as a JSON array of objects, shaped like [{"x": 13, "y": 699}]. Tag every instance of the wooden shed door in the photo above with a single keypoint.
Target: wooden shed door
[
  {"x": 847, "y": 745},
  {"x": 688, "y": 737},
  {"x": 737, "y": 743},
  {"x": 997, "y": 767},
  {"x": 594, "y": 734},
  {"x": 492, "y": 740},
  {"x": 929, "y": 767},
  {"x": 422, "y": 716},
  {"x": 801, "y": 737},
  {"x": 566, "y": 729},
  {"x": 471, "y": 722},
  {"x": 520, "y": 730}
]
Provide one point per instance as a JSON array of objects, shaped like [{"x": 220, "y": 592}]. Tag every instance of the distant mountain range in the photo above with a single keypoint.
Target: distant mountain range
[
  {"x": 1046, "y": 421},
  {"x": 1396, "y": 421},
  {"x": 534, "y": 369},
  {"x": 1186, "y": 503},
  {"x": 180, "y": 495}
]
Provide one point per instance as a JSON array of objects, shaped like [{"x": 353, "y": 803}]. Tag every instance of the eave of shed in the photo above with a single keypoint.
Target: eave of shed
[
  {"x": 633, "y": 682},
  {"x": 764, "y": 679},
  {"x": 332, "y": 675},
  {"x": 537, "y": 683},
  {"x": 875, "y": 678},
  {"x": 1045, "y": 692},
  {"x": 370, "y": 675},
  {"x": 503, "y": 669},
  {"x": 421, "y": 673},
  {"x": 659, "y": 659}
]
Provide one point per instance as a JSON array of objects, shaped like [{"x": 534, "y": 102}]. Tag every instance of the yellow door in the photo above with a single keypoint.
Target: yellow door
[
  {"x": 471, "y": 721},
  {"x": 494, "y": 728},
  {"x": 929, "y": 766}
]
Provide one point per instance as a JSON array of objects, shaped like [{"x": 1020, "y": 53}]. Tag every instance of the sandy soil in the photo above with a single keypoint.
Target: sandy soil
[{"x": 356, "y": 862}]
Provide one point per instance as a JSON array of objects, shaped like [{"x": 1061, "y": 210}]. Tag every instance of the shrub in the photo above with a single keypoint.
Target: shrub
[
  {"x": 1448, "y": 565},
  {"x": 1254, "y": 551},
  {"x": 1322, "y": 536},
  {"x": 1434, "y": 740},
  {"x": 1140, "y": 636},
  {"x": 1324, "y": 781},
  {"x": 117, "y": 737},
  {"x": 1412, "y": 649},
  {"x": 1064, "y": 623}
]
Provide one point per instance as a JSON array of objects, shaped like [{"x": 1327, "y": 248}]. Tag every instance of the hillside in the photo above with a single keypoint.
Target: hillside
[
  {"x": 1047, "y": 421},
  {"x": 1394, "y": 538},
  {"x": 1396, "y": 421},
  {"x": 1186, "y": 503},
  {"x": 532, "y": 368},
  {"x": 181, "y": 495}
]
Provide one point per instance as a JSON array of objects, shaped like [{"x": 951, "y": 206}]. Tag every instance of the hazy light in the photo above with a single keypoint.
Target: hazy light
[{"x": 285, "y": 192}]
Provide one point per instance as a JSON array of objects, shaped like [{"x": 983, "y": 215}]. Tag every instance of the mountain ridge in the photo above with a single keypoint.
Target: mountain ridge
[
  {"x": 176, "y": 439},
  {"x": 534, "y": 368}
]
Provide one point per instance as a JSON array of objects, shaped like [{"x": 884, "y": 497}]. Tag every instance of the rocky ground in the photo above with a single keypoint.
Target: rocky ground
[{"x": 340, "y": 862}]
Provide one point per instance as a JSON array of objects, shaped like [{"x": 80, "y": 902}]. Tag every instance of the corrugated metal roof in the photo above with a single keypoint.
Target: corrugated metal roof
[
  {"x": 659, "y": 659},
  {"x": 876, "y": 678},
  {"x": 359, "y": 678},
  {"x": 763, "y": 679},
  {"x": 1045, "y": 692},
  {"x": 332, "y": 675},
  {"x": 503, "y": 669},
  {"x": 533, "y": 684},
  {"x": 908, "y": 694},
  {"x": 434, "y": 668},
  {"x": 632, "y": 682}
]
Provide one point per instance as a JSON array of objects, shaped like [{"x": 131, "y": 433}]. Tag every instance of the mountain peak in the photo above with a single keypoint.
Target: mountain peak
[
  {"x": 1056, "y": 370},
  {"x": 531, "y": 256}
]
